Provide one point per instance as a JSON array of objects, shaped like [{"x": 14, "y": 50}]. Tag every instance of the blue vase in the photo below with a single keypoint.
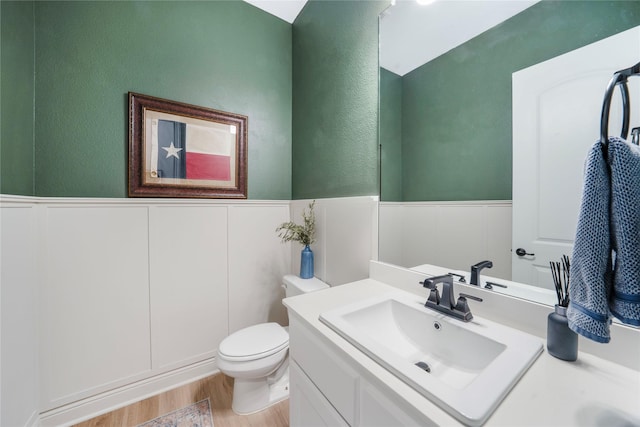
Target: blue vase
[{"x": 306, "y": 263}]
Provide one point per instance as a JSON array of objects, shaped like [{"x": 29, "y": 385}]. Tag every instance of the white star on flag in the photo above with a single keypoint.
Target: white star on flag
[{"x": 172, "y": 151}]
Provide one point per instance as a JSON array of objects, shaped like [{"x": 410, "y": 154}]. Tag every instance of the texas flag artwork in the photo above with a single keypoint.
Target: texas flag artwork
[{"x": 202, "y": 153}]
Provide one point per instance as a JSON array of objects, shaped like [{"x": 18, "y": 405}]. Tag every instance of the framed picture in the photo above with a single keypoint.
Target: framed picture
[{"x": 182, "y": 150}]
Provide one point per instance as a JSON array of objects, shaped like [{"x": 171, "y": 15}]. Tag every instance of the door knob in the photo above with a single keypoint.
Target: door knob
[{"x": 522, "y": 252}]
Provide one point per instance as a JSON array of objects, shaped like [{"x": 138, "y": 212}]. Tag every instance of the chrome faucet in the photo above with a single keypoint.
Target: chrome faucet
[
  {"x": 475, "y": 271},
  {"x": 445, "y": 304}
]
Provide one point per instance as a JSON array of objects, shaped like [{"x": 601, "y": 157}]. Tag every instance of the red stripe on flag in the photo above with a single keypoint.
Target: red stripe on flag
[{"x": 208, "y": 166}]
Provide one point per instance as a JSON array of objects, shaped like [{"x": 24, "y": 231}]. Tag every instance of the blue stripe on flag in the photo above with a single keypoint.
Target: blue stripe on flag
[{"x": 172, "y": 159}]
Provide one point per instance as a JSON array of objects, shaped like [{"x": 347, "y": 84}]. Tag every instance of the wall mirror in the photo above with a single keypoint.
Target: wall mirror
[{"x": 483, "y": 139}]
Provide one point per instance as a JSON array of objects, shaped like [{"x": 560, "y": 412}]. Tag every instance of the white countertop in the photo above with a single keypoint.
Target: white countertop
[{"x": 589, "y": 392}]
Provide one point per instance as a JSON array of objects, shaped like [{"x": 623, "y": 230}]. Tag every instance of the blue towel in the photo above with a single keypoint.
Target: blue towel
[{"x": 605, "y": 266}]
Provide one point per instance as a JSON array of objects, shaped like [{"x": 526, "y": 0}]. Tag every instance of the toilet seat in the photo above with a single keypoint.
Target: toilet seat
[{"x": 254, "y": 342}]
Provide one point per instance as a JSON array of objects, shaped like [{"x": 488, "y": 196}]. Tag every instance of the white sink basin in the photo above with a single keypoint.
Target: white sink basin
[{"x": 465, "y": 368}]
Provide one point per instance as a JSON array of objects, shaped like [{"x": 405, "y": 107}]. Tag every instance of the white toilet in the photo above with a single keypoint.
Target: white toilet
[{"x": 257, "y": 357}]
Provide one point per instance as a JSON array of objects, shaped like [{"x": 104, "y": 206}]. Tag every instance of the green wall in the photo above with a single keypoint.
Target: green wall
[
  {"x": 456, "y": 111},
  {"x": 16, "y": 98},
  {"x": 225, "y": 55},
  {"x": 67, "y": 132},
  {"x": 390, "y": 136},
  {"x": 335, "y": 99}
]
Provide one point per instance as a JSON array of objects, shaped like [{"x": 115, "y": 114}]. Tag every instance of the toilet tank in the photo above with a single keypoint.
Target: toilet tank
[{"x": 294, "y": 285}]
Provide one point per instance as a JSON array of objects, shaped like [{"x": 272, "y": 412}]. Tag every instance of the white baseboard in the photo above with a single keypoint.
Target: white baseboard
[{"x": 111, "y": 400}]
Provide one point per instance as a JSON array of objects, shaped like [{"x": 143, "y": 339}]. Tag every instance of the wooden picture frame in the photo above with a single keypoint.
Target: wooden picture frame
[{"x": 182, "y": 150}]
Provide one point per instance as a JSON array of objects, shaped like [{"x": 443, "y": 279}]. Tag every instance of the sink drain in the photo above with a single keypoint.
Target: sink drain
[{"x": 423, "y": 366}]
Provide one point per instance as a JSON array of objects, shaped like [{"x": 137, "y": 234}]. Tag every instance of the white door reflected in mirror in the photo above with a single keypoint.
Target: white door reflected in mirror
[{"x": 556, "y": 111}]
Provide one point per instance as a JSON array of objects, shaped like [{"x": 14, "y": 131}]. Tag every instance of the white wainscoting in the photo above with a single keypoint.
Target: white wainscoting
[
  {"x": 108, "y": 301},
  {"x": 257, "y": 263},
  {"x": 188, "y": 277},
  {"x": 347, "y": 237},
  {"x": 450, "y": 234},
  {"x": 94, "y": 305},
  {"x": 18, "y": 314}
]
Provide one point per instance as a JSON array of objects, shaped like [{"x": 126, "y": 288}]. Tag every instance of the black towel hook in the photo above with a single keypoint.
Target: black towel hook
[{"x": 619, "y": 78}]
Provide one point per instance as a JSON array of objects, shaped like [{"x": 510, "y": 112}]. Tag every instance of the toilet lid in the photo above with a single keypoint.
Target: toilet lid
[{"x": 255, "y": 342}]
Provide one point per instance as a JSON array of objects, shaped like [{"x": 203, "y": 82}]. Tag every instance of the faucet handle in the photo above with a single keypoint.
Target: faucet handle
[
  {"x": 434, "y": 295},
  {"x": 471, "y": 297},
  {"x": 463, "y": 307},
  {"x": 460, "y": 277},
  {"x": 427, "y": 284},
  {"x": 490, "y": 285}
]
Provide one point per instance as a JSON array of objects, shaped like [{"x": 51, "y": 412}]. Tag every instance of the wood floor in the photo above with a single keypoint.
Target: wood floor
[{"x": 218, "y": 388}]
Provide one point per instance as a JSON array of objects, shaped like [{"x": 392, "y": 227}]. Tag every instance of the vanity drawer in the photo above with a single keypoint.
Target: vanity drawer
[
  {"x": 332, "y": 376},
  {"x": 308, "y": 407}
]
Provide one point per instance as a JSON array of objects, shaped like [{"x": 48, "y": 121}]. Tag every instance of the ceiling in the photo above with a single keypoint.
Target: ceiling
[
  {"x": 412, "y": 34},
  {"x": 287, "y": 10}
]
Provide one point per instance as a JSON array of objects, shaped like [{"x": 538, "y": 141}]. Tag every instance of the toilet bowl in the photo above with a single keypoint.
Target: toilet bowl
[{"x": 257, "y": 357}]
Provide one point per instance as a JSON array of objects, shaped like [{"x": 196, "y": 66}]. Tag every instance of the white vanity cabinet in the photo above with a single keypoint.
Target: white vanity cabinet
[
  {"x": 335, "y": 384},
  {"x": 308, "y": 406},
  {"x": 326, "y": 389}
]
